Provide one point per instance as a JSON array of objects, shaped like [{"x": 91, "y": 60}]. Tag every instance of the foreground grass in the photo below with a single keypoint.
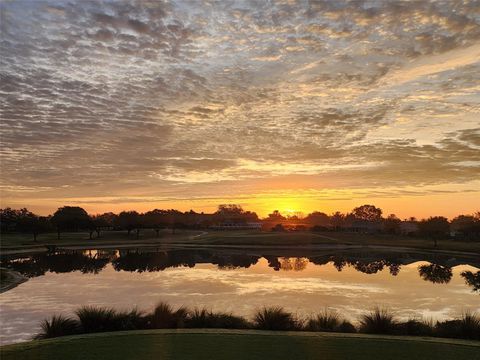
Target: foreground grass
[
  {"x": 242, "y": 239},
  {"x": 238, "y": 344}
]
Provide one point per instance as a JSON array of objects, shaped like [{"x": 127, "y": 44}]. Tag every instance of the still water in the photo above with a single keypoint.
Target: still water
[{"x": 410, "y": 284}]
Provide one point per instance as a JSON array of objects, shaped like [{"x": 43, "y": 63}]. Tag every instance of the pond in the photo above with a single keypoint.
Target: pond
[{"x": 419, "y": 285}]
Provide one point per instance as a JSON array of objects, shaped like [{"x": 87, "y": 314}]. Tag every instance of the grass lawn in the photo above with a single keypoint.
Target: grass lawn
[
  {"x": 241, "y": 239},
  {"x": 307, "y": 238},
  {"x": 107, "y": 237},
  {"x": 237, "y": 344}
]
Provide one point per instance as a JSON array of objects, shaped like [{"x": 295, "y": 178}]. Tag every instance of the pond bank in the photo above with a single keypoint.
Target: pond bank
[{"x": 10, "y": 279}]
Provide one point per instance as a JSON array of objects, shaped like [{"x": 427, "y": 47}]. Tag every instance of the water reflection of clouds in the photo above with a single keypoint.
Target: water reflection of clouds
[{"x": 240, "y": 290}]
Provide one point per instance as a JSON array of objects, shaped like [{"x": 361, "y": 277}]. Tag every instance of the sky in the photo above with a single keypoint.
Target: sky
[{"x": 293, "y": 105}]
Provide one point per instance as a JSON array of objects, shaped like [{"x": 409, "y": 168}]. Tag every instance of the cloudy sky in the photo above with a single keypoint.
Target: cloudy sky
[{"x": 289, "y": 104}]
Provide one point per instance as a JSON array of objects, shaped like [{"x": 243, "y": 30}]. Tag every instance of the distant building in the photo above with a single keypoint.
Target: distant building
[
  {"x": 368, "y": 227},
  {"x": 408, "y": 227},
  {"x": 237, "y": 226}
]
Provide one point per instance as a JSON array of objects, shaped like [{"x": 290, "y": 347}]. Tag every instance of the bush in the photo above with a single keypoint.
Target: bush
[
  {"x": 58, "y": 325},
  {"x": 275, "y": 318},
  {"x": 97, "y": 319},
  {"x": 93, "y": 319},
  {"x": 325, "y": 321},
  {"x": 468, "y": 327},
  {"x": 164, "y": 317},
  {"x": 378, "y": 321},
  {"x": 207, "y": 319},
  {"x": 346, "y": 327},
  {"x": 131, "y": 320},
  {"x": 415, "y": 328}
]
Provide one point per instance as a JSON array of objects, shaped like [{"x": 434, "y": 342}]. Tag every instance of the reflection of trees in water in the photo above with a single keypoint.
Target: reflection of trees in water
[
  {"x": 230, "y": 262},
  {"x": 472, "y": 279},
  {"x": 295, "y": 264},
  {"x": 364, "y": 266},
  {"x": 287, "y": 263},
  {"x": 339, "y": 264},
  {"x": 39, "y": 264},
  {"x": 369, "y": 267},
  {"x": 437, "y": 274},
  {"x": 158, "y": 261},
  {"x": 149, "y": 261},
  {"x": 273, "y": 262}
]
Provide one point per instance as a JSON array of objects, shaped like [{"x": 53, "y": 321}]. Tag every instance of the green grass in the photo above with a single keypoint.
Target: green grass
[
  {"x": 306, "y": 238},
  {"x": 236, "y": 238},
  {"x": 237, "y": 344},
  {"x": 106, "y": 238}
]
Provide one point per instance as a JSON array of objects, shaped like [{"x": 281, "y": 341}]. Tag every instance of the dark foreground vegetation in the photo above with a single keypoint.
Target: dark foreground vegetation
[
  {"x": 212, "y": 344},
  {"x": 90, "y": 319}
]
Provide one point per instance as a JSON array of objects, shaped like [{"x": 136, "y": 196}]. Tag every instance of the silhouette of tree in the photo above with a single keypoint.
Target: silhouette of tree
[
  {"x": 392, "y": 224},
  {"x": 466, "y": 227},
  {"x": 435, "y": 273},
  {"x": 337, "y": 220},
  {"x": 130, "y": 220},
  {"x": 157, "y": 220},
  {"x": 275, "y": 216},
  {"x": 278, "y": 228},
  {"x": 33, "y": 224},
  {"x": 317, "y": 218},
  {"x": 71, "y": 218},
  {"x": 233, "y": 213},
  {"x": 228, "y": 209},
  {"x": 103, "y": 221},
  {"x": 9, "y": 218},
  {"x": 367, "y": 213},
  {"x": 436, "y": 228}
]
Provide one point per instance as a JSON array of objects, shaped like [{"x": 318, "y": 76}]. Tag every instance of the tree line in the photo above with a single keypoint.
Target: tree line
[{"x": 365, "y": 218}]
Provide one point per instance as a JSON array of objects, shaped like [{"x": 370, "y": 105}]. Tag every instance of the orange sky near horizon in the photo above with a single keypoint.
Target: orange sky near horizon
[{"x": 448, "y": 205}]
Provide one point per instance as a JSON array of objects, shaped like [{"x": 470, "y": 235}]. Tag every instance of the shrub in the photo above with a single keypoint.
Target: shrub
[
  {"x": 378, "y": 321},
  {"x": 275, "y": 318},
  {"x": 131, "y": 320},
  {"x": 415, "y": 328},
  {"x": 164, "y": 317},
  {"x": 325, "y": 321},
  {"x": 207, "y": 319},
  {"x": 58, "y": 325},
  {"x": 346, "y": 327},
  {"x": 468, "y": 327},
  {"x": 97, "y": 319},
  {"x": 448, "y": 329}
]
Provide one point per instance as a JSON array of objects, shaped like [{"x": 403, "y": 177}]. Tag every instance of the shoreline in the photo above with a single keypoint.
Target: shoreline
[
  {"x": 16, "y": 279},
  {"x": 246, "y": 247}
]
